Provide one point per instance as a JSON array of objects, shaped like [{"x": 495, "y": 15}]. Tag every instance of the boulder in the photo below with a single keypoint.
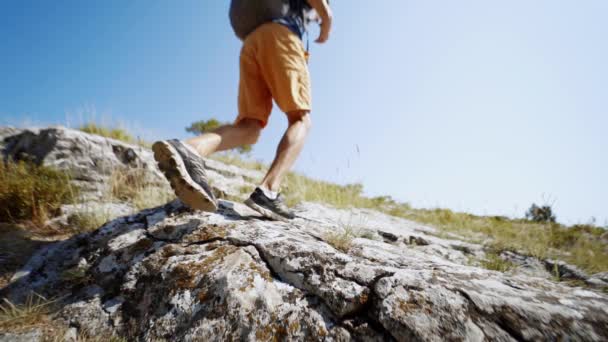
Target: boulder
[
  {"x": 170, "y": 273},
  {"x": 173, "y": 274}
]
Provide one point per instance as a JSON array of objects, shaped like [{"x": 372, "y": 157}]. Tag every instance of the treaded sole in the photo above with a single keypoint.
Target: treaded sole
[
  {"x": 183, "y": 185},
  {"x": 265, "y": 212}
]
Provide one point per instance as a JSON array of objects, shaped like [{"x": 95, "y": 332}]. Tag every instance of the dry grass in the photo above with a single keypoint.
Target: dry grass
[
  {"x": 112, "y": 133},
  {"x": 131, "y": 186},
  {"x": 300, "y": 188},
  {"x": 36, "y": 314},
  {"x": 579, "y": 245},
  {"x": 19, "y": 317},
  {"x": 494, "y": 262},
  {"x": 31, "y": 192},
  {"x": 342, "y": 241},
  {"x": 135, "y": 187},
  {"x": 349, "y": 230},
  {"x": 89, "y": 219}
]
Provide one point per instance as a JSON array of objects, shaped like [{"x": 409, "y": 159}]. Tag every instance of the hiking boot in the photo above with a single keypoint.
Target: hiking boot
[
  {"x": 271, "y": 208},
  {"x": 185, "y": 171}
]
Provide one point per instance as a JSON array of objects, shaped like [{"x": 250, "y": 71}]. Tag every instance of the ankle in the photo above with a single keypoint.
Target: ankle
[{"x": 269, "y": 193}]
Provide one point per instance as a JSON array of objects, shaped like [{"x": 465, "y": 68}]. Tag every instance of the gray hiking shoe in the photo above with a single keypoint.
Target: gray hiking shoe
[
  {"x": 271, "y": 208},
  {"x": 185, "y": 171}
]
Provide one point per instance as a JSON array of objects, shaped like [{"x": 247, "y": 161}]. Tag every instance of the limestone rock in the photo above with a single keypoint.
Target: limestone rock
[
  {"x": 5, "y": 132},
  {"x": 169, "y": 273},
  {"x": 91, "y": 160}
]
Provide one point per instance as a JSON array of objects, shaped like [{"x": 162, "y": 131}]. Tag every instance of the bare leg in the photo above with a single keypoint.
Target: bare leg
[
  {"x": 246, "y": 132},
  {"x": 288, "y": 150}
]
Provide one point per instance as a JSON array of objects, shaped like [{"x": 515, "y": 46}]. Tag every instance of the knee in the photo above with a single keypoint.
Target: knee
[
  {"x": 251, "y": 131},
  {"x": 302, "y": 117}
]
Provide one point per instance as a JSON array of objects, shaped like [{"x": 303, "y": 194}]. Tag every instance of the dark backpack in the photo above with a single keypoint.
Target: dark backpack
[{"x": 247, "y": 15}]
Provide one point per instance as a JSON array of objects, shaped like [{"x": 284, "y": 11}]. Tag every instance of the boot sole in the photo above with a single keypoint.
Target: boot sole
[
  {"x": 265, "y": 212},
  {"x": 185, "y": 188}
]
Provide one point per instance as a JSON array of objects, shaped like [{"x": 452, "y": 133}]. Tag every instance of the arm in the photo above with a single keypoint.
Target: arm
[{"x": 324, "y": 11}]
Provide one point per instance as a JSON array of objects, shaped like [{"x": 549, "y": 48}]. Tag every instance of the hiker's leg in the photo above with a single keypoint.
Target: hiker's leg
[
  {"x": 288, "y": 150},
  {"x": 244, "y": 132}
]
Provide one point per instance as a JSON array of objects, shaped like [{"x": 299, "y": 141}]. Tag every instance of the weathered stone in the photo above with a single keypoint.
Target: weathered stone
[
  {"x": 91, "y": 159},
  {"x": 5, "y": 132},
  {"x": 564, "y": 270},
  {"x": 169, "y": 273},
  {"x": 388, "y": 237},
  {"x": 28, "y": 336}
]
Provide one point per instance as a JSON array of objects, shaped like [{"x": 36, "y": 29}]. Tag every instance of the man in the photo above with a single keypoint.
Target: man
[{"x": 273, "y": 65}]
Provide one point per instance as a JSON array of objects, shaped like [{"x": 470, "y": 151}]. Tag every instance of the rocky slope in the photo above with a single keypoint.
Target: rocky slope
[{"x": 169, "y": 273}]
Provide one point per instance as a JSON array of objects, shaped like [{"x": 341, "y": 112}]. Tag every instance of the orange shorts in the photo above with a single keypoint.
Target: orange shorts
[{"x": 272, "y": 66}]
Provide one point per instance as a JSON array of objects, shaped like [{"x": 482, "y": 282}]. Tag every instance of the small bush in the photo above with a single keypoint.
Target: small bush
[
  {"x": 540, "y": 214},
  {"x": 341, "y": 241},
  {"x": 31, "y": 192}
]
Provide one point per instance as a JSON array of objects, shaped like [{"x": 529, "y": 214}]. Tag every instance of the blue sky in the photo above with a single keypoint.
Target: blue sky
[{"x": 479, "y": 106}]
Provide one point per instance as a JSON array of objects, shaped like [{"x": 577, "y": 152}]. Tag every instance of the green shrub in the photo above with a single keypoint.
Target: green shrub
[
  {"x": 31, "y": 192},
  {"x": 540, "y": 213}
]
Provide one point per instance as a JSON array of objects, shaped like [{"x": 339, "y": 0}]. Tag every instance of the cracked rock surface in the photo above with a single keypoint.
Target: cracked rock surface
[
  {"x": 172, "y": 274},
  {"x": 169, "y": 273}
]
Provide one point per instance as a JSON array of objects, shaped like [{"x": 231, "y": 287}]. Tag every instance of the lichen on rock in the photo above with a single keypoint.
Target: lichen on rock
[{"x": 169, "y": 273}]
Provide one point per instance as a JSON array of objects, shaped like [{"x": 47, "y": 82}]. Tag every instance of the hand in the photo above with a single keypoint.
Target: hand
[
  {"x": 324, "y": 12},
  {"x": 325, "y": 30}
]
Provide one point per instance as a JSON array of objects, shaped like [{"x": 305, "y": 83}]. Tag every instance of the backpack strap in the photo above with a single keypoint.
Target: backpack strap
[{"x": 299, "y": 6}]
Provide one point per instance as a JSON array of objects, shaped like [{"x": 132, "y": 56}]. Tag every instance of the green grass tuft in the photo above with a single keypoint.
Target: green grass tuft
[
  {"x": 112, "y": 133},
  {"x": 15, "y": 317},
  {"x": 494, "y": 262},
  {"x": 31, "y": 192},
  {"x": 340, "y": 240}
]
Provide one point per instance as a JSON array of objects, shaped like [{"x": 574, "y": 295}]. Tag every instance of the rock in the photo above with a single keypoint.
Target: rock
[
  {"x": 6, "y": 132},
  {"x": 388, "y": 237},
  {"x": 417, "y": 240},
  {"x": 169, "y": 272},
  {"x": 91, "y": 160},
  {"x": 71, "y": 335},
  {"x": 598, "y": 280},
  {"x": 28, "y": 336},
  {"x": 564, "y": 270},
  {"x": 527, "y": 265}
]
